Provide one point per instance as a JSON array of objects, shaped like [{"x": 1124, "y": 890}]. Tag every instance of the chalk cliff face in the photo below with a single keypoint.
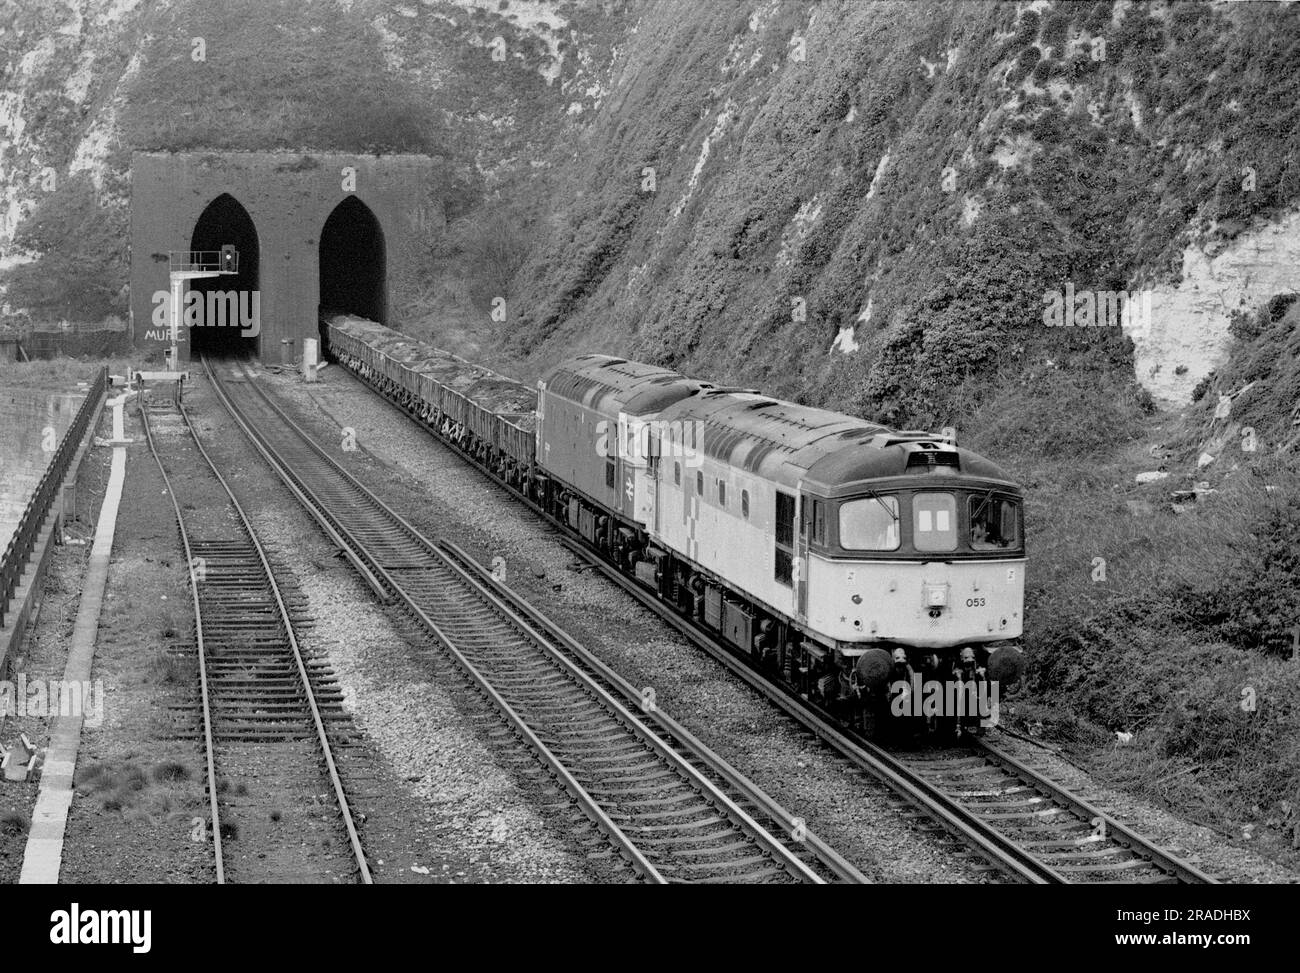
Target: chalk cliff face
[
  {"x": 62, "y": 67},
  {"x": 860, "y": 205},
  {"x": 1187, "y": 337}
]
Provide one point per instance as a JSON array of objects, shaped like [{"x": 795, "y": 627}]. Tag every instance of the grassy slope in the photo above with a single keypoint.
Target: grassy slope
[
  {"x": 1187, "y": 638},
  {"x": 955, "y": 306}
]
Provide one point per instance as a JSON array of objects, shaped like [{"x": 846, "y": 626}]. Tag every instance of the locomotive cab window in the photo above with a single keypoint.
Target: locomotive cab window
[
  {"x": 677, "y": 474},
  {"x": 722, "y": 493},
  {"x": 934, "y": 522},
  {"x": 994, "y": 523},
  {"x": 869, "y": 524},
  {"x": 744, "y": 504},
  {"x": 609, "y": 473}
]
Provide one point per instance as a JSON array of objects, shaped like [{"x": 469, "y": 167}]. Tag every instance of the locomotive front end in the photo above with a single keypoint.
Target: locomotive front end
[
  {"x": 916, "y": 570},
  {"x": 921, "y": 568}
]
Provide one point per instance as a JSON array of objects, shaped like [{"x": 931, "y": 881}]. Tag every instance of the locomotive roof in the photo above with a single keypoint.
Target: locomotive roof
[
  {"x": 612, "y": 385},
  {"x": 831, "y": 453}
]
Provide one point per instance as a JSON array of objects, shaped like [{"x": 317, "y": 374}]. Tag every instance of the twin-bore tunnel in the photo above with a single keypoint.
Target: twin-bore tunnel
[{"x": 351, "y": 263}]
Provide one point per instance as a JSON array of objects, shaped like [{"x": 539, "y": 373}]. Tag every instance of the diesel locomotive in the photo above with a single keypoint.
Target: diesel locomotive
[{"x": 847, "y": 559}]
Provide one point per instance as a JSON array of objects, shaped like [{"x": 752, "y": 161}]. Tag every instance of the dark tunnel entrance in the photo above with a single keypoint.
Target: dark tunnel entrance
[
  {"x": 353, "y": 276},
  {"x": 228, "y": 320}
]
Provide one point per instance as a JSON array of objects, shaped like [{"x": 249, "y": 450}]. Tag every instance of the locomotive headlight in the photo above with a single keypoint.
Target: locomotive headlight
[{"x": 936, "y": 595}]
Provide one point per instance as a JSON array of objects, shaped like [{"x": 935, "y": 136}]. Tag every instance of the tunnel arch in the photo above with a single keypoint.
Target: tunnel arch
[
  {"x": 226, "y": 221},
  {"x": 353, "y": 262}
]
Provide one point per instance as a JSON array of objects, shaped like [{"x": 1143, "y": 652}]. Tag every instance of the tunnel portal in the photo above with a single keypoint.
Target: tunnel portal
[
  {"x": 227, "y": 320},
  {"x": 343, "y": 231},
  {"x": 352, "y": 262}
]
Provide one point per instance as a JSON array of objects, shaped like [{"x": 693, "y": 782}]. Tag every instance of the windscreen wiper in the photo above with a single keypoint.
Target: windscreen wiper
[
  {"x": 876, "y": 497},
  {"x": 980, "y": 509}
]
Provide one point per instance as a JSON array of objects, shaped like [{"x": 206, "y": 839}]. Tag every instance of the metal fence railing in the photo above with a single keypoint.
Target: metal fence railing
[
  {"x": 19, "y": 548},
  {"x": 204, "y": 261},
  {"x": 104, "y": 343},
  {"x": 73, "y": 339}
]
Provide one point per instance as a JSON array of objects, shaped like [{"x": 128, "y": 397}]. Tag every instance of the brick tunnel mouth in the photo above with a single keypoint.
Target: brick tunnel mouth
[
  {"x": 352, "y": 264},
  {"x": 227, "y": 322}
]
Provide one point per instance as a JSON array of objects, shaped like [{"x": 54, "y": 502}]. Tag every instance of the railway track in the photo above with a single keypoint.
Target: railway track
[
  {"x": 1077, "y": 839},
  {"x": 670, "y": 807},
  {"x": 1025, "y": 825},
  {"x": 1028, "y": 826},
  {"x": 815, "y": 853},
  {"x": 269, "y": 712}
]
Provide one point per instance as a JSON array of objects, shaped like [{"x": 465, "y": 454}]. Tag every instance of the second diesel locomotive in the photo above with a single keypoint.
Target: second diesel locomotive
[{"x": 835, "y": 553}]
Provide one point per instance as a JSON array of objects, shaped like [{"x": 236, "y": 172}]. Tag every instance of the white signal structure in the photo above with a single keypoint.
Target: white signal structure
[{"x": 187, "y": 265}]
